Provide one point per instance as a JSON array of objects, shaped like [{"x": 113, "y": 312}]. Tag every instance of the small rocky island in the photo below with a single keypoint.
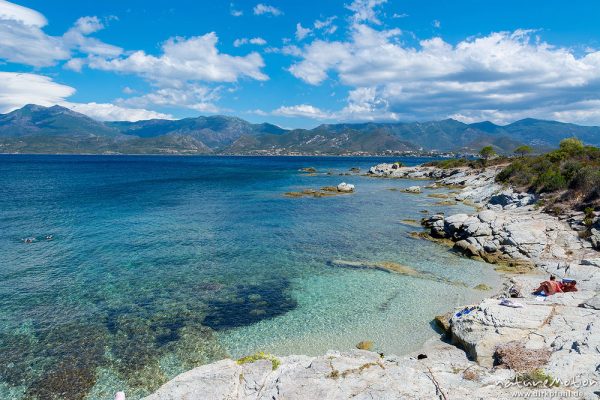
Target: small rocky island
[
  {"x": 325, "y": 191},
  {"x": 513, "y": 344}
]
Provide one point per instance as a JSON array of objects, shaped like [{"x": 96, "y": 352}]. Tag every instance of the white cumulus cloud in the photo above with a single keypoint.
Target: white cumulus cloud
[
  {"x": 23, "y": 40},
  {"x": 500, "y": 76},
  {"x": 364, "y": 10},
  {"x": 186, "y": 59},
  {"x": 112, "y": 112},
  {"x": 234, "y": 11},
  {"x": 302, "y": 32},
  {"x": 77, "y": 38},
  {"x": 258, "y": 41},
  {"x": 302, "y": 110},
  {"x": 261, "y": 9},
  {"x": 326, "y": 25},
  {"x": 192, "y": 96}
]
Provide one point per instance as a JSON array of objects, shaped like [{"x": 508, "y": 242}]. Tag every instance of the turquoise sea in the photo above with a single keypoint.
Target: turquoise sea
[{"x": 159, "y": 264}]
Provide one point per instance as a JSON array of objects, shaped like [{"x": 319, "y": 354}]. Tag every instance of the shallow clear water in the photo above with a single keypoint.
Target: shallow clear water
[{"x": 159, "y": 264}]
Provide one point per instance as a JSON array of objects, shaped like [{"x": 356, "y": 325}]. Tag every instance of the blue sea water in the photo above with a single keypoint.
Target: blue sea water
[{"x": 159, "y": 264}]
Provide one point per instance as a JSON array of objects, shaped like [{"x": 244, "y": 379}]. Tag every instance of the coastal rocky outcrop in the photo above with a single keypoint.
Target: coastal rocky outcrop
[
  {"x": 503, "y": 347},
  {"x": 509, "y": 229},
  {"x": 325, "y": 191},
  {"x": 446, "y": 373}
]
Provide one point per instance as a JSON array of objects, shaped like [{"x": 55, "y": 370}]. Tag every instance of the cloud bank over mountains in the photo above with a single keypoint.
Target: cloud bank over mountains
[{"x": 378, "y": 70}]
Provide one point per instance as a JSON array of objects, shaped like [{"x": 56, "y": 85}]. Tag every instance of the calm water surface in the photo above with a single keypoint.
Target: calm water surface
[{"x": 160, "y": 264}]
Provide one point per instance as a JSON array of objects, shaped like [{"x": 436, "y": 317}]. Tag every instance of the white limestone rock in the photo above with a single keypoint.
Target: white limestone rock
[
  {"x": 345, "y": 187},
  {"x": 413, "y": 189}
]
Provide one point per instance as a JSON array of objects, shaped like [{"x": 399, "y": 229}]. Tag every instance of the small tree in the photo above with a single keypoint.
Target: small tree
[
  {"x": 571, "y": 146},
  {"x": 486, "y": 153},
  {"x": 524, "y": 150}
]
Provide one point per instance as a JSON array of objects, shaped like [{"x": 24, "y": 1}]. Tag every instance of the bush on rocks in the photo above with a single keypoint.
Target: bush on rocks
[{"x": 573, "y": 168}]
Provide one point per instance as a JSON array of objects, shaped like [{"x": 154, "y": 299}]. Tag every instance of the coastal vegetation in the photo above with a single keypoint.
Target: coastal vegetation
[
  {"x": 569, "y": 175},
  {"x": 537, "y": 378},
  {"x": 468, "y": 162},
  {"x": 523, "y": 150},
  {"x": 486, "y": 153}
]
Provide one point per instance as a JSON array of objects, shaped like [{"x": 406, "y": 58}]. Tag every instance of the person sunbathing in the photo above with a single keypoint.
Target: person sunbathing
[
  {"x": 568, "y": 285},
  {"x": 552, "y": 286}
]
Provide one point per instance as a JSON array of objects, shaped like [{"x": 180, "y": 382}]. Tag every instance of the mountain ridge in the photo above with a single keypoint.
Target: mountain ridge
[{"x": 56, "y": 129}]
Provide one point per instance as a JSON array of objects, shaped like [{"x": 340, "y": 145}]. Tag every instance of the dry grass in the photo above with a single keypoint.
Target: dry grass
[{"x": 516, "y": 356}]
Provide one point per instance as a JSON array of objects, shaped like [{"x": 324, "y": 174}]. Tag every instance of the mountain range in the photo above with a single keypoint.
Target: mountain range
[{"x": 38, "y": 129}]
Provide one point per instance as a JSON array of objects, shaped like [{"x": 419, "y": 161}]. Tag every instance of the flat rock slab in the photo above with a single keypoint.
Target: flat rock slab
[{"x": 341, "y": 376}]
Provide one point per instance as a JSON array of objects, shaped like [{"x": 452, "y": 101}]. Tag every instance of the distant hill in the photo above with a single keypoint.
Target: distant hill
[
  {"x": 321, "y": 140},
  {"x": 445, "y": 135},
  {"x": 215, "y": 131},
  {"x": 37, "y": 129},
  {"x": 51, "y": 121}
]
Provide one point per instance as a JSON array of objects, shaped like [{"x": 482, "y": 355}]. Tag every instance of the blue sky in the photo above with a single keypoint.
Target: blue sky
[{"x": 299, "y": 64}]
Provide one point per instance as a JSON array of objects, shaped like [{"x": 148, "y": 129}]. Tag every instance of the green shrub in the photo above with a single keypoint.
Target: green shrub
[
  {"x": 588, "y": 220},
  {"x": 570, "y": 169},
  {"x": 449, "y": 163},
  {"x": 550, "y": 181},
  {"x": 571, "y": 146},
  {"x": 538, "y": 378},
  {"x": 587, "y": 183}
]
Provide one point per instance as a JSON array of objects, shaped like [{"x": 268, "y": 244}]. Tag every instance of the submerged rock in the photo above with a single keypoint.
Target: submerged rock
[
  {"x": 249, "y": 304},
  {"x": 392, "y": 267},
  {"x": 365, "y": 345}
]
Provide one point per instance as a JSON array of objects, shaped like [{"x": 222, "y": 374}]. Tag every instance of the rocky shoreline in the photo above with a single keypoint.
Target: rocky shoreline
[{"x": 490, "y": 350}]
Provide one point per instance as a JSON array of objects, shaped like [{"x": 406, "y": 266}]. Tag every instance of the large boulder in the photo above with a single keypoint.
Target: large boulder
[
  {"x": 454, "y": 222},
  {"x": 467, "y": 247},
  {"x": 491, "y": 324},
  {"x": 474, "y": 227},
  {"x": 487, "y": 216},
  {"x": 508, "y": 199},
  {"x": 528, "y": 235}
]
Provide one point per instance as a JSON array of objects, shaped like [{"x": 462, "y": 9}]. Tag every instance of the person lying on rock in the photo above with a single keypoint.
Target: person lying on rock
[
  {"x": 552, "y": 286},
  {"x": 568, "y": 285}
]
